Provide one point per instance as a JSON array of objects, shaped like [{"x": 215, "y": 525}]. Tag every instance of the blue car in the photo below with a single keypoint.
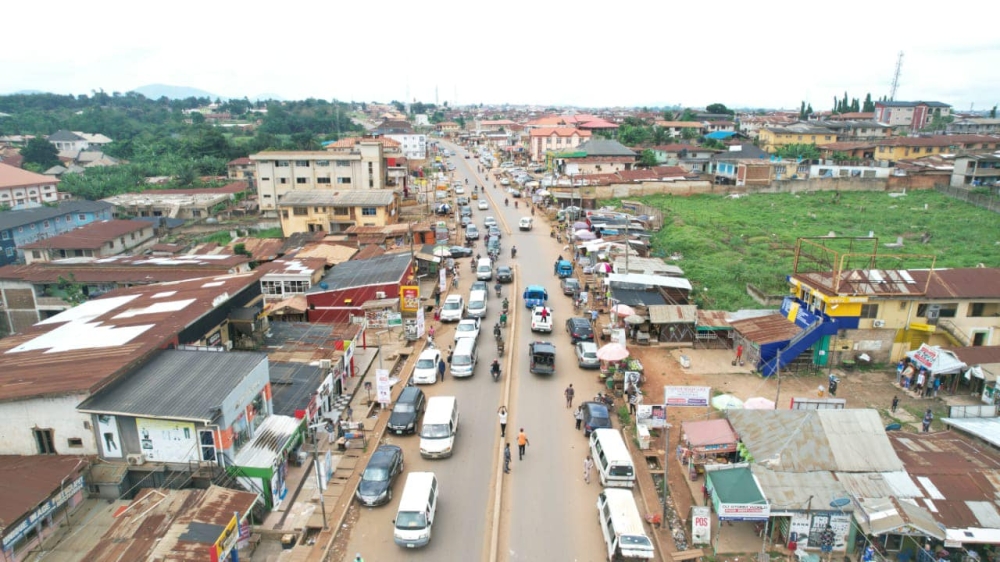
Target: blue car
[{"x": 535, "y": 295}]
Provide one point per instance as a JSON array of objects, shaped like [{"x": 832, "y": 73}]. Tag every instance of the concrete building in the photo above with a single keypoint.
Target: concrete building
[
  {"x": 94, "y": 240},
  {"x": 899, "y": 148},
  {"x": 976, "y": 170},
  {"x": 909, "y": 115},
  {"x": 974, "y": 126},
  {"x": 594, "y": 156},
  {"x": 326, "y": 210},
  {"x": 25, "y": 226},
  {"x": 20, "y": 187},
  {"x": 185, "y": 204},
  {"x": 77, "y": 141},
  {"x": 554, "y": 139},
  {"x": 773, "y": 138},
  {"x": 286, "y": 278},
  {"x": 348, "y": 286},
  {"x": 691, "y": 157}
]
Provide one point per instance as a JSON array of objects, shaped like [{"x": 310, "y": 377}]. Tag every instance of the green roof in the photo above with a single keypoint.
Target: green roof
[
  {"x": 735, "y": 485},
  {"x": 576, "y": 154}
]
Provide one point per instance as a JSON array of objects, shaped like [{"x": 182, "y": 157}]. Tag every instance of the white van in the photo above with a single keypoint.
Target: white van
[
  {"x": 437, "y": 434},
  {"x": 622, "y": 527},
  {"x": 476, "y": 308},
  {"x": 412, "y": 525},
  {"x": 463, "y": 361},
  {"x": 453, "y": 308},
  {"x": 611, "y": 458},
  {"x": 484, "y": 269}
]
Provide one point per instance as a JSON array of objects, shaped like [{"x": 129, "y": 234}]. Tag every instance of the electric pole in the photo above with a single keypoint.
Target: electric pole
[{"x": 895, "y": 77}]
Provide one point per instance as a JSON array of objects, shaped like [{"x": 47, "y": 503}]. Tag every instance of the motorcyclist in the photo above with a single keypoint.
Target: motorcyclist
[
  {"x": 478, "y": 257},
  {"x": 498, "y": 287},
  {"x": 532, "y": 211},
  {"x": 506, "y": 202},
  {"x": 496, "y": 330},
  {"x": 495, "y": 369},
  {"x": 506, "y": 304},
  {"x": 513, "y": 251},
  {"x": 503, "y": 318}
]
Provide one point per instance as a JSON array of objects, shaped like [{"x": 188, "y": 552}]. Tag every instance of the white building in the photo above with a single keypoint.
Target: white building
[{"x": 414, "y": 145}]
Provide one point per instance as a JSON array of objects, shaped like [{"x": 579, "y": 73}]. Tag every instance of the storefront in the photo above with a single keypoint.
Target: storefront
[
  {"x": 735, "y": 496},
  {"x": 704, "y": 442},
  {"x": 262, "y": 464},
  {"x": 898, "y": 529}
]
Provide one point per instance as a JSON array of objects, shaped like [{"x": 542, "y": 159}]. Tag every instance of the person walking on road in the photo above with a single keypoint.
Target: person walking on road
[
  {"x": 506, "y": 458},
  {"x": 358, "y": 558},
  {"x": 502, "y": 414},
  {"x": 588, "y": 463},
  {"x": 522, "y": 442},
  {"x": 441, "y": 367},
  {"x": 570, "y": 393},
  {"x": 593, "y": 317},
  {"x": 928, "y": 418},
  {"x": 895, "y": 403},
  {"x": 579, "y": 417}
]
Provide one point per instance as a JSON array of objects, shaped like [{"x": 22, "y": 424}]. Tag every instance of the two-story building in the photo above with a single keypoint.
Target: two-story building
[
  {"x": 94, "y": 240},
  {"x": 285, "y": 278},
  {"x": 976, "y": 170},
  {"x": 326, "y": 210},
  {"x": 342, "y": 292},
  {"x": 974, "y": 126},
  {"x": 909, "y": 115},
  {"x": 676, "y": 129},
  {"x": 554, "y": 139},
  {"x": 19, "y": 187},
  {"x": 76, "y": 141},
  {"x": 848, "y": 130},
  {"x": 192, "y": 203},
  {"x": 773, "y": 138},
  {"x": 24, "y": 226},
  {"x": 240, "y": 169},
  {"x": 691, "y": 157},
  {"x": 594, "y": 156},
  {"x": 899, "y": 148},
  {"x": 413, "y": 144}
]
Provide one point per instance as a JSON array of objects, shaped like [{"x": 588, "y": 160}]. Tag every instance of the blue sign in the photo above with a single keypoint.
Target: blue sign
[{"x": 803, "y": 318}]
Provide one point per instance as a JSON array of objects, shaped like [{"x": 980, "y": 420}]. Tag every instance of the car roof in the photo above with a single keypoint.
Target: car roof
[
  {"x": 453, "y": 298},
  {"x": 503, "y": 267},
  {"x": 578, "y": 320},
  {"x": 409, "y": 393},
  {"x": 543, "y": 346},
  {"x": 534, "y": 288},
  {"x": 596, "y": 406},
  {"x": 428, "y": 353},
  {"x": 385, "y": 451},
  {"x": 586, "y": 345}
]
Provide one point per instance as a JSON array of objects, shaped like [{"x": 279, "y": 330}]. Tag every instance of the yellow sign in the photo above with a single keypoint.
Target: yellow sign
[
  {"x": 227, "y": 539},
  {"x": 409, "y": 298}
]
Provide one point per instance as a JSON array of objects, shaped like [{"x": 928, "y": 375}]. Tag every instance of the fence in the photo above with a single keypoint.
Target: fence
[
  {"x": 974, "y": 411},
  {"x": 988, "y": 202}
]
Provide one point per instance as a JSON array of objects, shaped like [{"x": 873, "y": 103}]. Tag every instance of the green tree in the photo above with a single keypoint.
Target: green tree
[
  {"x": 647, "y": 158},
  {"x": 461, "y": 121},
  {"x": 41, "y": 153},
  {"x": 719, "y": 108},
  {"x": 869, "y": 105},
  {"x": 798, "y": 151},
  {"x": 197, "y": 118},
  {"x": 993, "y": 112},
  {"x": 668, "y": 115},
  {"x": 688, "y": 115},
  {"x": 690, "y": 133}
]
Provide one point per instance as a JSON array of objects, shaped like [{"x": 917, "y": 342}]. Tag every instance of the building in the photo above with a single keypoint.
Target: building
[
  {"x": 353, "y": 163},
  {"x": 899, "y": 148},
  {"x": 348, "y": 286},
  {"x": 286, "y": 278},
  {"x": 750, "y": 172},
  {"x": 678, "y": 129},
  {"x": 25, "y": 226},
  {"x": 976, "y": 170},
  {"x": 328, "y": 210},
  {"x": 773, "y": 138},
  {"x": 93, "y": 240},
  {"x": 187, "y": 204},
  {"x": 40, "y": 493},
  {"x": 974, "y": 126},
  {"x": 848, "y": 130},
  {"x": 240, "y": 169},
  {"x": 413, "y": 145},
  {"x": 594, "y": 156},
  {"x": 909, "y": 115},
  {"x": 97, "y": 343},
  {"x": 448, "y": 128},
  {"x": 18, "y": 187},
  {"x": 77, "y": 141},
  {"x": 554, "y": 139},
  {"x": 693, "y": 158}
]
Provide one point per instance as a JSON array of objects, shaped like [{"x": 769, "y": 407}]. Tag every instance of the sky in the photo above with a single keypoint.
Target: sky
[{"x": 543, "y": 52}]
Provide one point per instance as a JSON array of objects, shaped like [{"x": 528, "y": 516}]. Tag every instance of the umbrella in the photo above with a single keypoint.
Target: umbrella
[
  {"x": 612, "y": 352},
  {"x": 634, "y": 319},
  {"x": 543, "y": 193},
  {"x": 758, "y": 403},
  {"x": 584, "y": 235},
  {"x": 442, "y": 252},
  {"x": 623, "y": 310},
  {"x": 727, "y": 402},
  {"x": 580, "y": 225}
]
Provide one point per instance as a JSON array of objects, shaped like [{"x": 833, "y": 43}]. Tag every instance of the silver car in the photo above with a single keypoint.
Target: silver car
[{"x": 586, "y": 355}]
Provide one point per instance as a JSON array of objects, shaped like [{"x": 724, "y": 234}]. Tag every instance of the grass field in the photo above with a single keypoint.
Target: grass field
[{"x": 727, "y": 243}]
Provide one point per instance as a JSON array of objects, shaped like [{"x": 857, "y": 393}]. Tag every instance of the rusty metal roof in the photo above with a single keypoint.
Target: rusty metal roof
[
  {"x": 798, "y": 491},
  {"x": 672, "y": 314},
  {"x": 293, "y": 266},
  {"x": 124, "y": 269},
  {"x": 171, "y": 525},
  {"x": 962, "y": 283},
  {"x": 91, "y": 236},
  {"x": 27, "y": 481},
  {"x": 261, "y": 249},
  {"x": 84, "y": 348},
  {"x": 713, "y": 318},
  {"x": 766, "y": 329},
  {"x": 332, "y": 253}
]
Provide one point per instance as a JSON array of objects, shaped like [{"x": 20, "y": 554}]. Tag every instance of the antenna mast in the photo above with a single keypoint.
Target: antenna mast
[{"x": 895, "y": 77}]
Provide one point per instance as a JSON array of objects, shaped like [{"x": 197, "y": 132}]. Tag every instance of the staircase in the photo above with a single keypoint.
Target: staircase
[
  {"x": 801, "y": 342},
  {"x": 954, "y": 333}
]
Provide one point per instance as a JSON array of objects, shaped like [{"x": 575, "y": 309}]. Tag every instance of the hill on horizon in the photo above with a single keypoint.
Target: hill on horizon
[{"x": 157, "y": 91}]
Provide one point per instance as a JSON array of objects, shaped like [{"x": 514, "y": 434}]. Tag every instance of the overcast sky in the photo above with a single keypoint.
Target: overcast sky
[{"x": 621, "y": 53}]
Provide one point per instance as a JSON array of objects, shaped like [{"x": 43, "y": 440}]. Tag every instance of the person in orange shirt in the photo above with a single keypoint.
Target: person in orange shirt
[{"x": 522, "y": 442}]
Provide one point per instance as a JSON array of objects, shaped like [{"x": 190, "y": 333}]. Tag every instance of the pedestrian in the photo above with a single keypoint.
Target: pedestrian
[
  {"x": 578, "y": 416},
  {"x": 437, "y": 299},
  {"x": 739, "y": 353},
  {"x": 502, "y": 414},
  {"x": 826, "y": 540},
  {"x": 588, "y": 463},
  {"x": 358, "y": 558},
  {"x": 450, "y": 353},
  {"x": 522, "y": 442},
  {"x": 928, "y": 418},
  {"x": 349, "y": 412},
  {"x": 919, "y": 387},
  {"x": 506, "y": 458},
  {"x": 570, "y": 393},
  {"x": 430, "y": 340},
  {"x": 937, "y": 386},
  {"x": 895, "y": 403},
  {"x": 430, "y": 332},
  {"x": 633, "y": 401},
  {"x": 593, "y": 316},
  {"x": 680, "y": 452},
  {"x": 441, "y": 368}
]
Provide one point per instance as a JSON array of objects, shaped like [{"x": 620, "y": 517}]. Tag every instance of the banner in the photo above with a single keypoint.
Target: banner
[
  {"x": 382, "y": 387},
  {"x": 442, "y": 281},
  {"x": 409, "y": 298},
  {"x": 701, "y": 524},
  {"x": 744, "y": 511},
  {"x": 109, "y": 439},
  {"x": 687, "y": 395},
  {"x": 652, "y": 415},
  {"x": 925, "y": 356},
  {"x": 167, "y": 441}
]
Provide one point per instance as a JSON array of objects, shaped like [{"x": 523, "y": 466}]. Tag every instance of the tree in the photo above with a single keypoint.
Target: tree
[
  {"x": 869, "y": 105},
  {"x": 668, "y": 115},
  {"x": 802, "y": 111},
  {"x": 993, "y": 112},
  {"x": 719, "y": 108},
  {"x": 41, "y": 153},
  {"x": 647, "y": 158},
  {"x": 798, "y": 151},
  {"x": 688, "y": 115}
]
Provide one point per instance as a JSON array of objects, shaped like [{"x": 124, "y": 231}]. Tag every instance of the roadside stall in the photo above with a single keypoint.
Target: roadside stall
[{"x": 706, "y": 442}]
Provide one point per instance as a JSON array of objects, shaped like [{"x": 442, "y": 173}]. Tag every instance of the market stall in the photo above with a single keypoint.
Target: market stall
[
  {"x": 706, "y": 442},
  {"x": 618, "y": 369}
]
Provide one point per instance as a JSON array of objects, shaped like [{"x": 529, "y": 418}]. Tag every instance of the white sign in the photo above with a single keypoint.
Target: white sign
[
  {"x": 108, "y": 436},
  {"x": 701, "y": 524},
  {"x": 443, "y": 282},
  {"x": 652, "y": 415},
  {"x": 618, "y": 336},
  {"x": 382, "y": 387},
  {"x": 687, "y": 395},
  {"x": 744, "y": 511},
  {"x": 167, "y": 441},
  {"x": 925, "y": 356},
  {"x": 420, "y": 322}
]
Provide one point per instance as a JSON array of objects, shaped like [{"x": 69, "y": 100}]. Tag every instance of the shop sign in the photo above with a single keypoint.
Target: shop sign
[
  {"x": 227, "y": 540},
  {"x": 215, "y": 339},
  {"x": 925, "y": 356},
  {"x": 687, "y": 395},
  {"x": 382, "y": 387},
  {"x": 14, "y": 534},
  {"x": 701, "y": 524},
  {"x": 394, "y": 319},
  {"x": 409, "y": 298},
  {"x": 651, "y": 415},
  {"x": 744, "y": 511}
]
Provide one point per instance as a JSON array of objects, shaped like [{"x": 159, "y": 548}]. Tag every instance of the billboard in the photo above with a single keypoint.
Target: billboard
[
  {"x": 701, "y": 524},
  {"x": 409, "y": 298},
  {"x": 168, "y": 441},
  {"x": 687, "y": 395},
  {"x": 108, "y": 437}
]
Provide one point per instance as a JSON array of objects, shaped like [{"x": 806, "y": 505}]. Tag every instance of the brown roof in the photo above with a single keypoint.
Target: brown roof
[
  {"x": 293, "y": 266},
  {"x": 766, "y": 329},
  {"x": 332, "y": 253},
  {"x": 846, "y": 145},
  {"x": 88, "y": 346},
  {"x": 167, "y": 248},
  {"x": 245, "y": 161},
  {"x": 715, "y": 318},
  {"x": 350, "y": 142},
  {"x": 27, "y": 482},
  {"x": 261, "y": 249},
  {"x": 939, "y": 140},
  {"x": 16, "y": 177},
  {"x": 977, "y": 355},
  {"x": 172, "y": 525},
  {"x": 91, "y": 236},
  {"x": 959, "y": 283},
  {"x": 235, "y": 187},
  {"x": 140, "y": 270},
  {"x": 367, "y": 252}
]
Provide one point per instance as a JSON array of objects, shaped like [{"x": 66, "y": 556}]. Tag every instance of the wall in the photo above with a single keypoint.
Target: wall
[
  {"x": 56, "y": 413},
  {"x": 330, "y": 306},
  {"x": 877, "y": 343}
]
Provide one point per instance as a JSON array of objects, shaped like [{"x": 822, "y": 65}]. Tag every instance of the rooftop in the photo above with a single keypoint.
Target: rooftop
[
  {"x": 91, "y": 236},
  {"x": 940, "y": 140},
  {"x": 351, "y": 142},
  {"x": 766, "y": 329},
  {"x": 125, "y": 269},
  {"x": 911, "y": 103},
  {"x": 175, "y": 384},
  {"x": 22, "y": 217},
  {"x": 604, "y": 147},
  {"x": 331, "y": 198},
  {"x": 381, "y": 270},
  {"x": 88, "y": 346},
  {"x": 16, "y": 177},
  {"x": 292, "y": 266},
  {"x": 26, "y": 482},
  {"x": 332, "y": 253},
  {"x": 958, "y": 283},
  {"x": 559, "y": 132},
  {"x": 293, "y": 384}
]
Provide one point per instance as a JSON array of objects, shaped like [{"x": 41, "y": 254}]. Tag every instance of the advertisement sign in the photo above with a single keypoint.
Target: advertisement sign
[
  {"x": 687, "y": 395},
  {"x": 651, "y": 415},
  {"x": 442, "y": 281},
  {"x": 925, "y": 356},
  {"x": 744, "y": 511},
  {"x": 167, "y": 441},
  {"x": 382, "y": 387},
  {"x": 421, "y": 326},
  {"x": 838, "y": 522},
  {"x": 394, "y": 319},
  {"x": 409, "y": 298},
  {"x": 16, "y": 533},
  {"x": 701, "y": 524},
  {"x": 110, "y": 440},
  {"x": 793, "y": 311},
  {"x": 227, "y": 540}
]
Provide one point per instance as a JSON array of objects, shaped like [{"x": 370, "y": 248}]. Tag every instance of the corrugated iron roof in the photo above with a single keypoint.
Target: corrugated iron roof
[
  {"x": 713, "y": 318},
  {"x": 27, "y": 481},
  {"x": 793, "y": 491},
  {"x": 879, "y": 484},
  {"x": 673, "y": 314},
  {"x": 332, "y": 253},
  {"x": 339, "y": 198},
  {"x": 124, "y": 269},
  {"x": 766, "y": 329},
  {"x": 962, "y": 283},
  {"x": 268, "y": 442},
  {"x": 91, "y": 236},
  {"x": 293, "y": 266},
  {"x": 883, "y": 515}
]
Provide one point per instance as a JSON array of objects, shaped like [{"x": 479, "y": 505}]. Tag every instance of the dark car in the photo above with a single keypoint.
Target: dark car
[
  {"x": 504, "y": 274},
  {"x": 385, "y": 465},
  {"x": 406, "y": 411},
  {"x": 494, "y": 231},
  {"x": 595, "y": 416},
  {"x": 460, "y": 252},
  {"x": 569, "y": 285},
  {"x": 466, "y": 221},
  {"x": 579, "y": 330}
]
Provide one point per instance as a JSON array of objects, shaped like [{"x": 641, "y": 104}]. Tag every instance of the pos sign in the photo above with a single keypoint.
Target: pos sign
[{"x": 701, "y": 524}]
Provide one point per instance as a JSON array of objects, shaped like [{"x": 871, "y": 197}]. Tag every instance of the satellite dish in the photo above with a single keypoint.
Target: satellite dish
[{"x": 840, "y": 502}]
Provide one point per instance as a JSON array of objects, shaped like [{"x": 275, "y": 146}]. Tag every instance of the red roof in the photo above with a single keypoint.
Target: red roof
[
  {"x": 352, "y": 141},
  {"x": 245, "y": 161},
  {"x": 16, "y": 177},
  {"x": 235, "y": 187},
  {"x": 559, "y": 132},
  {"x": 940, "y": 140},
  {"x": 28, "y": 481},
  {"x": 92, "y": 236}
]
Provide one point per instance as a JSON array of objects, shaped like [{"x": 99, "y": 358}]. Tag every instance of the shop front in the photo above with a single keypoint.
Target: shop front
[
  {"x": 735, "y": 497},
  {"x": 707, "y": 442},
  {"x": 262, "y": 464}
]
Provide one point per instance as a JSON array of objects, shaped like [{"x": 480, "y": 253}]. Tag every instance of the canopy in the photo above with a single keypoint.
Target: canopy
[
  {"x": 736, "y": 495},
  {"x": 623, "y": 310},
  {"x": 709, "y": 435},
  {"x": 584, "y": 235},
  {"x": 581, "y": 225},
  {"x": 758, "y": 403},
  {"x": 612, "y": 352},
  {"x": 936, "y": 360},
  {"x": 634, "y": 319},
  {"x": 543, "y": 193},
  {"x": 727, "y": 402},
  {"x": 442, "y": 252}
]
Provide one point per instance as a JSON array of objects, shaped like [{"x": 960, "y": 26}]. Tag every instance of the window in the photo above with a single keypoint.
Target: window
[
  {"x": 323, "y": 181},
  {"x": 284, "y": 214},
  {"x": 81, "y": 217},
  {"x": 869, "y": 311},
  {"x": 36, "y": 254},
  {"x": 5, "y": 235},
  {"x": 341, "y": 211},
  {"x": 34, "y": 226},
  {"x": 282, "y": 180},
  {"x": 368, "y": 211},
  {"x": 296, "y": 286},
  {"x": 45, "y": 224},
  {"x": 281, "y": 164},
  {"x": 343, "y": 163},
  {"x": 74, "y": 442},
  {"x": 948, "y": 310},
  {"x": 301, "y": 181},
  {"x": 43, "y": 438},
  {"x": 265, "y": 179},
  {"x": 318, "y": 210},
  {"x": 270, "y": 287},
  {"x": 343, "y": 180},
  {"x": 300, "y": 211},
  {"x": 322, "y": 163},
  {"x": 302, "y": 163},
  {"x": 10, "y": 252}
]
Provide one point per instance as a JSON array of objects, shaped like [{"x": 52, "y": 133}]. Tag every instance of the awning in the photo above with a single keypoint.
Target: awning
[
  {"x": 736, "y": 495},
  {"x": 986, "y": 372},
  {"x": 709, "y": 435},
  {"x": 426, "y": 257},
  {"x": 673, "y": 314},
  {"x": 936, "y": 360},
  {"x": 878, "y": 516}
]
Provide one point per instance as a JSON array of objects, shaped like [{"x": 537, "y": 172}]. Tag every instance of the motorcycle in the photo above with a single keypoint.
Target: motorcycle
[
  {"x": 605, "y": 399},
  {"x": 498, "y": 287},
  {"x": 495, "y": 371},
  {"x": 506, "y": 304}
]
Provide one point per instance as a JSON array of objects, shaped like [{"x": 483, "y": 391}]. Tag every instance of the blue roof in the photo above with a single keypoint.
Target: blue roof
[
  {"x": 534, "y": 288},
  {"x": 720, "y": 135}
]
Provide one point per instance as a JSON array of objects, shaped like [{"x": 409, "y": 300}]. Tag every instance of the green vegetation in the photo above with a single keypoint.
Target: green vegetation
[
  {"x": 221, "y": 238},
  {"x": 268, "y": 233},
  {"x": 727, "y": 243}
]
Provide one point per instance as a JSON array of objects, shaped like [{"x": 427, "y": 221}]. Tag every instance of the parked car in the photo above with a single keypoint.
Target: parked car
[
  {"x": 489, "y": 221},
  {"x": 504, "y": 274},
  {"x": 385, "y": 465},
  {"x": 525, "y": 223},
  {"x": 586, "y": 355},
  {"x": 483, "y": 206},
  {"x": 460, "y": 252},
  {"x": 595, "y": 416},
  {"x": 406, "y": 411},
  {"x": 579, "y": 329},
  {"x": 443, "y": 209},
  {"x": 425, "y": 371},
  {"x": 569, "y": 285},
  {"x": 468, "y": 328}
]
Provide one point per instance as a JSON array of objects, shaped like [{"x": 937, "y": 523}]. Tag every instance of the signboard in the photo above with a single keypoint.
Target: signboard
[
  {"x": 108, "y": 437},
  {"x": 618, "y": 336},
  {"x": 791, "y": 310},
  {"x": 167, "y": 441},
  {"x": 442, "y": 281},
  {"x": 394, "y": 319},
  {"x": 687, "y": 395},
  {"x": 925, "y": 356},
  {"x": 652, "y": 415},
  {"x": 16, "y": 533},
  {"x": 227, "y": 540},
  {"x": 818, "y": 403},
  {"x": 744, "y": 511},
  {"x": 421, "y": 326},
  {"x": 409, "y": 298},
  {"x": 701, "y": 524},
  {"x": 839, "y": 522},
  {"x": 382, "y": 387}
]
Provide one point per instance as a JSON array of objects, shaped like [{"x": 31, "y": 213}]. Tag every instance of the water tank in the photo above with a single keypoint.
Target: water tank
[{"x": 323, "y": 285}]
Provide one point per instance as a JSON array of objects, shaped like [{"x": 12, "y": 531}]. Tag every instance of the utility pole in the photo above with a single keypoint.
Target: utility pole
[
  {"x": 777, "y": 373},
  {"x": 319, "y": 482},
  {"x": 895, "y": 77}
]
